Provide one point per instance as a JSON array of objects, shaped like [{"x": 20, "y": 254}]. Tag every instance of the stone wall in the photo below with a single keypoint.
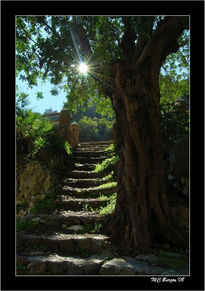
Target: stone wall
[
  {"x": 34, "y": 181},
  {"x": 68, "y": 131}
]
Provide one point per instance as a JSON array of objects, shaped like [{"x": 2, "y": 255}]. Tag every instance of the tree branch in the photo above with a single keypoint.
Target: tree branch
[
  {"x": 129, "y": 37},
  {"x": 145, "y": 35},
  {"x": 164, "y": 39}
]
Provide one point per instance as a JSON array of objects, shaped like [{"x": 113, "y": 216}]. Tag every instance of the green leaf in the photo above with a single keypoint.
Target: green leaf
[{"x": 39, "y": 95}]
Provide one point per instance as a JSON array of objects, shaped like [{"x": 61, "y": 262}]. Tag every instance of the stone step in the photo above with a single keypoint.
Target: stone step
[
  {"x": 65, "y": 244},
  {"x": 83, "y": 183},
  {"x": 88, "y": 192},
  {"x": 88, "y": 153},
  {"x": 62, "y": 220},
  {"x": 83, "y": 166},
  {"x": 88, "y": 160},
  {"x": 82, "y": 174},
  {"x": 54, "y": 264},
  {"x": 38, "y": 263},
  {"x": 77, "y": 204},
  {"x": 94, "y": 149},
  {"x": 93, "y": 146},
  {"x": 98, "y": 143}
]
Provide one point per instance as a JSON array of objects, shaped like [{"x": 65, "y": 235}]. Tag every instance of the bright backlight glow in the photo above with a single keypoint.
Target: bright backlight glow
[{"x": 83, "y": 68}]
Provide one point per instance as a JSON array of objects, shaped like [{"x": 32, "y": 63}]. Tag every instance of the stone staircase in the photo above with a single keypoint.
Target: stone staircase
[
  {"x": 70, "y": 232},
  {"x": 68, "y": 240}
]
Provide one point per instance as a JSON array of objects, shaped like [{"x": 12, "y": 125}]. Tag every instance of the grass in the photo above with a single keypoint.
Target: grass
[
  {"x": 108, "y": 177},
  {"x": 45, "y": 205},
  {"x": 107, "y": 185},
  {"x": 86, "y": 207},
  {"x": 109, "y": 208},
  {"x": 103, "y": 197},
  {"x": 22, "y": 223},
  {"x": 171, "y": 259},
  {"x": 97, "y": 228},
  {"x": 92, "y": 228},
  {"x": 110, "y": 149},
  {"x": 107, "y": 165},
  {"x": 20, "y": 267}
]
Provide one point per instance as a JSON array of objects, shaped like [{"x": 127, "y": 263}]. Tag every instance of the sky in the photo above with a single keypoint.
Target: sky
[{"x": 40, "y": 105}]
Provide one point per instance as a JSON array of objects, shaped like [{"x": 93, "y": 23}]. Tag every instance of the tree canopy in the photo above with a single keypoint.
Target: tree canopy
[{"x": 52, "y": 47}]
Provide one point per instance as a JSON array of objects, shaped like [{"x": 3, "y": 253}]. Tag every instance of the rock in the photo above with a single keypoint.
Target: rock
[
  {"x": 144, "y": 268},
  {"x": 36, "y": 268},
  {"x": 182, "y": 104},
  {"x": 35, "y": 180},
  {"x": 52, "y": 160},
  {"x": 178, "y": 172},
  {"x": 129, "y": 266},
  {"x": 57, "y": 265},
  {"x": 75, "y": 227},
  {"x": 170, "y": 272},
  {"x": 64, "y": 123},
  {"x": 181, "y": 216},
  {"x": 21, "y": 260},
  {"x": 93, "y": 264},
  {"x": 22, "y": 213},
  {"x": 117, "y": 266},
  {"x": 179, "y": 158},
  {"x": 73, "y": 135},
  {"x": 147, "y": 258},
  {"x": 69, "y": 132}
]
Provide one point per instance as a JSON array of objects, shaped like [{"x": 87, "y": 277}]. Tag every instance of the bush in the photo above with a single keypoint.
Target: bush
[
  {"x": 88, "y": 129},
  {"x": 174, "y": 121},
  {"x": 35, "y": 132}
]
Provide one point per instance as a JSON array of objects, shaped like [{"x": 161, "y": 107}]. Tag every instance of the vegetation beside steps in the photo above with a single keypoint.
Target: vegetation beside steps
[
  {"x": 70, "y": 222},
  {"x": 64, "y": 233}
]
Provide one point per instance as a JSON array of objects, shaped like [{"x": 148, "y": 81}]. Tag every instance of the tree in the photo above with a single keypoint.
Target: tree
[{"x": 124, "y": 56}]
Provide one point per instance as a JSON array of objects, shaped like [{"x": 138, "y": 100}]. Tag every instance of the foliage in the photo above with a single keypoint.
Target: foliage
[
  {"x": 107, "y": 185},
  {"x": 97, "y": 228},
  {"x": 174, "y": 121},
  {"x": 45, "y": 205},
  {"x": 88, "y": 129},
  {"x": 92, "y": 125},
  {"x": 67, "y": 148},
  {"x": 109, "y": 208},
  {"x": 109, "y": 177},
  {"x": 36, "y": 132},
  {"x": 107, "y": 164},
  {"x": 94, "y": 129},
  {"x": 22, "y": 223},
  {"x": 173, "y": 260},
  {"x": 52, "y": 46},
  {"x": 171, "y": 90}
]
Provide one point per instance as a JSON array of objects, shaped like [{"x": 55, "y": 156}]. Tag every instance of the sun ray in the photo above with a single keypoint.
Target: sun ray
[{"x": 83, "y": 68}]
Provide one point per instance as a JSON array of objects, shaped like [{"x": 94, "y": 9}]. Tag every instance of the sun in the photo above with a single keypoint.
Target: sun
[{"x": 83, "y": 68}]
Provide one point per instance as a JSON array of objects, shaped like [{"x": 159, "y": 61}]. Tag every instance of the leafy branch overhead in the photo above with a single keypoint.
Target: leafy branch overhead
[{"x": 52, "y": 47}]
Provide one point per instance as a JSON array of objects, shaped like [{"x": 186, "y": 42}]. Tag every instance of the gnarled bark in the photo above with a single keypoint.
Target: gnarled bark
[{"x": 142, "y": 214}]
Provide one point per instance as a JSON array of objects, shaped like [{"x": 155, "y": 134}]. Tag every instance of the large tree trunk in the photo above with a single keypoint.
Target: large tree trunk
[{"x": 142, "y": 214}]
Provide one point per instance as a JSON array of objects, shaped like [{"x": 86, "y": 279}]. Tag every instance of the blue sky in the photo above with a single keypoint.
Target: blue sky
[{"x": 40, "y": 105}]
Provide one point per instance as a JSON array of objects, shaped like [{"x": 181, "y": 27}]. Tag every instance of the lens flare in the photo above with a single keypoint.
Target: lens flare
[{"x": 83, "y": 68}]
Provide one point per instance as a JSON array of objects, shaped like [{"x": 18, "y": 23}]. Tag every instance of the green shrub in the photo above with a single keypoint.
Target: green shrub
[
  {"x": 109, "y": 208},
  {"x": 174, "y": 122},
  {"x": 107, "y": 165},
  {"x": 22, "y": 224},
  {"x": 40, "y": 133},
  {"x": 87, "y": 129},
  {"x": 45, "y": 205}
]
